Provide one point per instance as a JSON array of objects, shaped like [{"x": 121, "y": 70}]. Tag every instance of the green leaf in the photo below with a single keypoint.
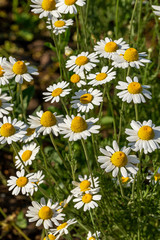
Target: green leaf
[
  {"x": 21, "y": 221},
  {"x": 49, "y": 45},
  {"x": 106, "y": 120}
]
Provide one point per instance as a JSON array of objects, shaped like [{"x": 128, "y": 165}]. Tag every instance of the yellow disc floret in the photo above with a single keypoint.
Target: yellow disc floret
[
  {"x": 26, "y": 155},
  {"x": 50, "y": 237},
  {"x": 61, "y": 226},
  {"x": 101, "y": 76},
  {"x": 91, "y": 238},
  {"x": 84, "y": 185},
  {"x": 21, "y": 181},
  {"x": 111, "y": 47},
  {"x": 157, "y": 177},
  {"x": 45, "y": 213},
  {"x": 48, "y": 119},
  {"x": 48, "y": 5},
  {"x": 59, "y": 23},
  {"x": 7, "y": 130},
  {"x": 119, "y": 159},
  {"x": 1, "y": 71},
  {"x": 75, "y": 78},
  {"x": 19, "y": 68},
  {"x": 146, "y": 133},
  {"x": 131, "y": 55},
  {"x": 82, "y": 60},
  {"x": 134, "y": 88},
  {"x": 124, "y": 179},
  {"x": 86, "y": 98},
  {"x": 78, "y": 124},
  {"x": 57, "y": 92},
  {"x": 87, "y": 198},
  {"x": 69, "y": 2},
  {"x": 30, "y": 131}
]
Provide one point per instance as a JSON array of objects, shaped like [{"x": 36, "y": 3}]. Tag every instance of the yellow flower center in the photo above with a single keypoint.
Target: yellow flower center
[
  {"x": 124, "y": 179},
  {"x": 26, "y": 155},
  {"x": 21, "y": 181},
  {"x": 111, "y": 47},
  {"x": 146, "y": 133},
  {"x": 87, "y": 198},
  {"x": 45, "y": 213},
  {"x": 91, "y": 238},
  {"x": 0, "y": 102},
  {"x": 57, "y": 92},
  {"x": 84, "y": 185},
  {"x": 78, "y": 124},
  {"x": 75, "y": 78},
  {"x": 50, "y": 236},
  {"x": 48, "y": 5},
  {"x": 19, "y": 68},
  {"x": 101, "y": 76},
  {"x": 157, "y": 177},
  {"x": 59, "y": 23},
  {"x": 119, "y": 159},
  {"x": 82, "y": 60},
  {"x": 63, "y": 225},
  {"x": 134, "y": 88},
  {"x": 86, "y": 98},
  {"x": 131, "y": 55},
  {"x": 48, "y": 119},
  {"x": 1, "y": 71},
  {"x": 30, "y": 131},
  {"x": 7, "y": 130},
  {"x": 69, "y": 2}
]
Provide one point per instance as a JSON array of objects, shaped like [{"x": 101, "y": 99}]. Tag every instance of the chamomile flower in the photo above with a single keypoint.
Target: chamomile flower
[
  {"x": 44, "y": 213},
  {"x": 46, "y": 8},
  {"x": 64, "y": 204},
  {"x": 94, "y": 236},
  {"x": 18, "y": 184},
  {"x": 82, "y": 62},
  {"x": 36, "y": 180},
  {"x": 30, "y": 135},
  {"x": 154, "y": 177},
  {"x": 131, "y": 58},
  {"x": 84, "y": 185},
  {"x": 59, "y": 25},
  {"x": 86, "y": 99},
  {"x": 78, "y": 79},
  {"x": 126, "y": 181},
  {"x": 27, "y": 154},
  {"x": 19, "y": 69},
  {"x": 50, "y": 237},
  {"x": 56, "y": 91},
  {"x": 5, "y": 106},
  {"x": 3, "y": 78},
  {"x": 99, "y": 78},
  {"x": 133, "y": 91},
  {"x": 116, "y": 160},
  {"x": 143, "y": 136},
  {"x": 157, "y": 8},
  {"x": 88, "y": 200},
  {"x": 62, "y": 229},
  {"x": 77, "y": 127},
  {"x": 69, "y": 6},
  {"x": 11, "y": 130},
  {"x": 108, "y": 48},
  {"x": 46, "y": 122}
]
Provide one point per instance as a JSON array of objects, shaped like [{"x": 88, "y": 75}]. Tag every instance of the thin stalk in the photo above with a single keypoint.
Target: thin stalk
[
  {"x": 120, "y": 122},
  {"x": 101, "y": 106},
  {"x": 17, "y": 154},
  {"x": 94, "y": 149},
  {"x": 46, "y": 232},
  {"x": 83, "y": 27},
  {"x": 92, "y": 220},
  {"x": 136, "y": 111},
  {"x": 43, "y": 154},
  {"x": 120, "y": 184},
  {"x": 131, "y": 24},
  {"x": 117, "y": 7},
  {"x": 21, "y": 99},
  {"x": 10, "y": 93},
  {"x": 77, "y": 28},
  {"x": 87, "y": 10},
  {"x": 64, "y": 106},
  {"x": 139, "y": 21}
]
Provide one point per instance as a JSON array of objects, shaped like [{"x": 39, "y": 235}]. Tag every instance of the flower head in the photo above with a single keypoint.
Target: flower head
[
  {"x": 69, "y": 6},
  {"x": 5, "y": 106},
  {"x": 59, "y": 26}
]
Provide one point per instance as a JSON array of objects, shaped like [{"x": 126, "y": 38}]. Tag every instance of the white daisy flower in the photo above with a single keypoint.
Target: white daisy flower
[
  {"x": 83, "y": 62},
  {"x": 143, "y": 136},
  {"x": 19, "y": 70},
  {"x": 59, "y": 25},
  {"x": 27, "y": 154},
  {"x": 133, "y": 91},
  {"x": 5, "y": 106},
  {"x": 46, "y": 8},
  {"x": 126, "y": 181},
  {"x": 11, "y": 130},
  {"x": 69, "y": 6},
  {"x": 78, "y": 79},
  {"x": 94, "y": 236},
  {"x": 116, "y": 160},
  {"x": 18, "y": 184},
  {"x": 154, "y": 177},
  {"x": 88, "y": 200},
  {"x": 84, "y": 185},
  {"x": 44, "y": 213},
  {"x": 131, "y": 58},
  {"x": 50, "y": 237},
  {"x": 86, "y": 99},
  {"x": 3, "y": 78},
  {"x": 30, "y": 135},
  {"x": 99, "y": 78},
  {"x": 157, "y": 8},
  {"x": 76, "y": 127},
  {"x": 62, "y": 229},
  {"x": 56, "y": 91},
  {"x": 46, "y": 122},
  {"x": 64, "y": 204},
  {"x": 108, "y": 48},
  {"x": 36, "y": 180}
]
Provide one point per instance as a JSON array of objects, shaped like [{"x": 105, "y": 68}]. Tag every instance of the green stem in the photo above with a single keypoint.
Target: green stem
[
  {"x": 120, "y": 184},
  {"x": 120, "y": 122},
  {"x": 101, "y": 106},
  {"x": 64, "y": 106},
  {"x": 92, "y": 220},
  {"x": 21, "y": 99},
  {"x": 139, "y": 21},
  {"x": 17, "y": 154},
  {"x": 136, "y": 111},
  {"x": 77, "y": 27},
  {"x": 46, "y": 232},
  {"x": 94, "y": 149},
  {"x": 131, "y": 24},
  {"x": 43, "y": 154},
  {"x": 117, "y": 7}
]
